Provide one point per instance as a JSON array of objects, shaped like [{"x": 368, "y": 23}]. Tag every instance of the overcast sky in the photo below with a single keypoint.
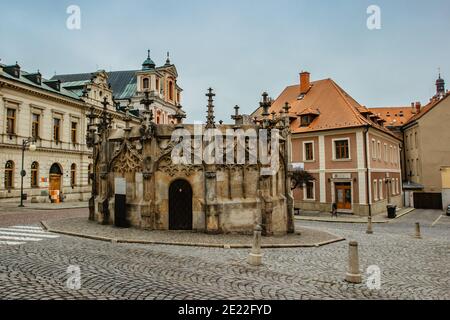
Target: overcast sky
[{"x": 241, "y": 47}]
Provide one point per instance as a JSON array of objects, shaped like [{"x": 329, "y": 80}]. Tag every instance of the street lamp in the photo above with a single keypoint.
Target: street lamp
[{"x": 32, "y": 147}]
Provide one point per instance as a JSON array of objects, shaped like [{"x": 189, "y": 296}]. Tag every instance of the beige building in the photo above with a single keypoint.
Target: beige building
[
  {"x": 33, "y": 107},
  {"x": 354, "y": 159},
  {"x": 129, "y": 86},
  {"x": 427, "y": 149}
]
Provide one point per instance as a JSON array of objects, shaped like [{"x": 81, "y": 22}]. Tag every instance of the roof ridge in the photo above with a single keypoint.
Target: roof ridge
[{"x": 356, "y": 112}]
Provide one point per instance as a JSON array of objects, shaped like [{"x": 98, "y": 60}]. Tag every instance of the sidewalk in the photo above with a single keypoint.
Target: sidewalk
[
  {"x": 348, "y": 218},
  {"x": 82, "y": 227},
  {"x": 44, "y": 206}
]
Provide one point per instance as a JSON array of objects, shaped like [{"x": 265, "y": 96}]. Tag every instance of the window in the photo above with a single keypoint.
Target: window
[
  {"x": 406, "y": 143},
  {"x": 178, "y": 96},
  {"x": 374, "y": 149},
  {"x": 417, "y": 140},
  {"x": 380, "y": 184},
  {"x": 35, "y": 122},
  {"x": 417, "y": 167},
  {"x": 341, "y": 148},
  {"x": 379, "y": 150},
  {"x": 73, "y": 132},
  {"x": 375, "y": 190},
  {"x": 391, "y": 151},
  {"x": 309, "y": 191},
  {"x": 9, "y": 175},
  {"x": 308, "y": 151},
  {"x": 385, "y": 153},
  {"x": 11, "y": 121},
  {"x": 56, "y": 129},
  {"x": 34, "y": 175},
  {"x": 73, "y": 174},
  {"x": 306, "y": 120},
  {"x": 145, "y": 83},
  {"x": 395, "y": 155},
  {"x": 157, "y": 84},
  {"x": 170, "y": 90}
]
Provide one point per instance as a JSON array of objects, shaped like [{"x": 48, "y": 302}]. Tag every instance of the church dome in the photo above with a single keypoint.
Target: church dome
[{"x": 148, "y": 63}]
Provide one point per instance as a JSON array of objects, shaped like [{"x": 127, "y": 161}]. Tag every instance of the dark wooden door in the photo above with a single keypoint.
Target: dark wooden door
[
  {"x": 180, "y": 205},
  {"x": 427, "y": 200}
]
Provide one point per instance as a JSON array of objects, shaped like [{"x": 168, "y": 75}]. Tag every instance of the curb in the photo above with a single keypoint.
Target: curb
[
  {"x": 185, "y": 244},
  {"x": 316, "y": 219}
]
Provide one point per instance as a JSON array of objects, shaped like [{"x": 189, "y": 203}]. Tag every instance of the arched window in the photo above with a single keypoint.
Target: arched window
[
  {"x": 145, "y": 83},
  {"x": 73, "y": 174},
  {"x": 90, "y": 173},
  {"x": 34, "y": 175},
  {"x": 9, "y": 175},
  {"x": 157, "y": 85},
  {"x": 170, "y": 90}
]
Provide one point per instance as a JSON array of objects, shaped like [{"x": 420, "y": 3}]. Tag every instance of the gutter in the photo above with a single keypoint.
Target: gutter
[{"x": 366, "y": 160}]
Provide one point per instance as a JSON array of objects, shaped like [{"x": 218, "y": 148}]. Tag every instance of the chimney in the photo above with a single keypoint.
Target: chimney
[
  {"x": 418, "y": 106},
  {"x": 305, "y": 83}
]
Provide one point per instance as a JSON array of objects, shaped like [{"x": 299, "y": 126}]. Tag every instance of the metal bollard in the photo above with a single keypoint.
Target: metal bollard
[
  {"x": 353, "y": 274},
  {"x": 369, "y": 225},
  {"x": 255, "y": 256},
  {"x": 418, "y": 235}
]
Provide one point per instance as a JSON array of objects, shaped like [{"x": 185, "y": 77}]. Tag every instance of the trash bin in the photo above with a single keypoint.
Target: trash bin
[{"x": 392, "y": 211}]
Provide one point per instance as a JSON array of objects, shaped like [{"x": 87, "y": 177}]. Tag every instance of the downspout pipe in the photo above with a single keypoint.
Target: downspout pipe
[{"x": 366, "y": 160}]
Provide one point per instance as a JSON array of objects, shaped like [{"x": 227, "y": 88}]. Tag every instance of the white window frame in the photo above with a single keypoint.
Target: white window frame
[
  {"x": 374, "y": 149},
  {"x": 375, "y": 190},
  {"x": 304, "y": 151},
  {"x": 305, "y": 193},
  {"x": 379, "y": 150},
  {"x": 333, "y": 146},
  {"x": 381, "y": 191}
]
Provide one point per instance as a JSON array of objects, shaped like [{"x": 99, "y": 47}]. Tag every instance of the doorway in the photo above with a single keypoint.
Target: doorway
[
  {"x": 54, "y": 185},
  {"x": 180, "y": 205},
  {"x": 343, "y": 195}
]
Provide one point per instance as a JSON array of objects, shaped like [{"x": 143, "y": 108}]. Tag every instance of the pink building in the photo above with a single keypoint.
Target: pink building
[{"x": 354, "y": 159}]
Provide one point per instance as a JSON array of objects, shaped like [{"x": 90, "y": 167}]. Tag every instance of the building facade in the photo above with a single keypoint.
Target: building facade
[
  {"x": 425, "y": 137},
  {"x": 55, "y": 118},
  {"x": 128, "y": 87},
  {"x": 354, "y": 159}
]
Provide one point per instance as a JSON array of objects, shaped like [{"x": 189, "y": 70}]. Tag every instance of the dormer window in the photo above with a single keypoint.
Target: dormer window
[
  {"x": 307, "y": 116},
  {"x": 13, "y": 70},
  {"x": 306, "y": 120}
]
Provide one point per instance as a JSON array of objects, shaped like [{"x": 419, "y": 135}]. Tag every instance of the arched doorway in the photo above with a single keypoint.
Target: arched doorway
[
  {"x": 180, "y": 205},
  {"x": 54, "y": 185}
]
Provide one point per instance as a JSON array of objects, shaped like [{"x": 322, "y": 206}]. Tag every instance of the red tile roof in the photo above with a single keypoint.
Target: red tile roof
[
  {"x": 336, "y": 108},
  {"x": 394, "y": 116}
]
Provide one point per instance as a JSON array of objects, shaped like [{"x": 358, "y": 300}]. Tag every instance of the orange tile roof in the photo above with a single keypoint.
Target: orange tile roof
[
  {"x": 338, "y": 110},
  {"x": 394, "y": 116},
  {"x": 427, "y": 108}
]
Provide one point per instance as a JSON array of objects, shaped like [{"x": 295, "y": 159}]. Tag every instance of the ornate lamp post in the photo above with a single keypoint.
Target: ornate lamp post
[{"x": 32, "y": 147}]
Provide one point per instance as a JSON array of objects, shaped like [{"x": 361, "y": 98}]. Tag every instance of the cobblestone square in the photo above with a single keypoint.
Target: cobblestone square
[{"x": 410, "y": 268}]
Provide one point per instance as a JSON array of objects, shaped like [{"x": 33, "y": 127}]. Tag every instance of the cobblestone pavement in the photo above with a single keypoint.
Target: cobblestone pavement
[
  {"x": 11, "y": 216},
  {"x": 411, "y": 268}
]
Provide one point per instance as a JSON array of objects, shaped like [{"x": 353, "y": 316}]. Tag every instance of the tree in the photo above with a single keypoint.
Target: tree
[{"x": 300, "y": 178}]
